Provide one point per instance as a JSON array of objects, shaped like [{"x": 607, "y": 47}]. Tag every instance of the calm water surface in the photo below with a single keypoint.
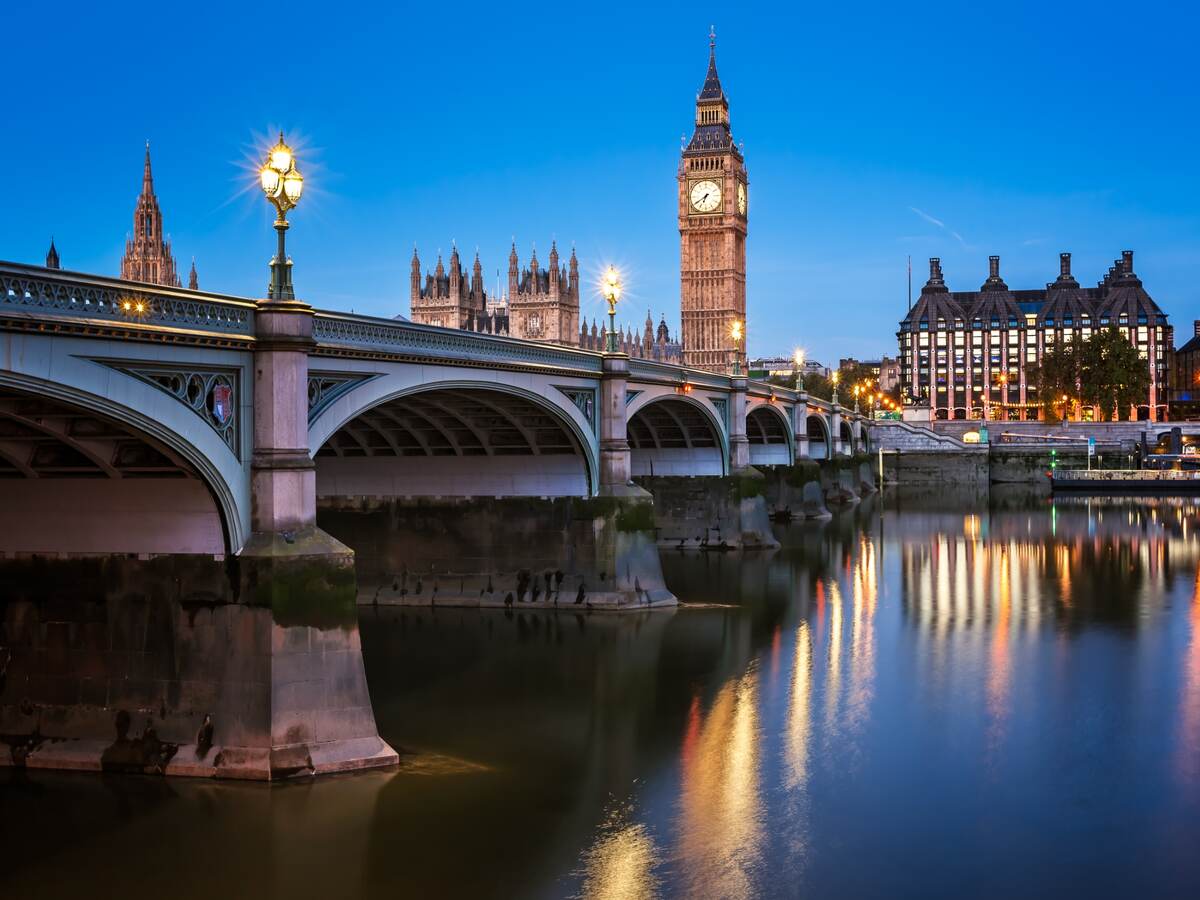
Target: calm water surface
[{"x": 907, "y": 702}]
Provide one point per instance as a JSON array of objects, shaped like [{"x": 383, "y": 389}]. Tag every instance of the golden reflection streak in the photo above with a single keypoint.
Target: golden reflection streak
[
  {"x": 862, "y": 645},
  {"x": 721, "y": 827},
  {"x": 799, "y": 710},
  {"x": 833, "y": 661},
  {"x": 1000, "y": 669},
  {"x": 620, "y": 864}
]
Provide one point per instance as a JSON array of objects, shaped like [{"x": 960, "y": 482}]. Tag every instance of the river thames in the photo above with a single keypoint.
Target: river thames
[{"x": 904, "y": 701}]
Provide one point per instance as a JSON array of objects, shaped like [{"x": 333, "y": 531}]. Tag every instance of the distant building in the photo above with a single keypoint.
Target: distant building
[
  {"x": 962, "y": 352},
  {"x": 886, "y": 370},
  {"x": 541, "y": 304},
  {"x": 1185, "y": 377},
  {"x": 889, "y": 374},
  {"x": 784, "y": 367},
  {"x": 52, "y": 257},
  {"x": 148, "y": 255}
]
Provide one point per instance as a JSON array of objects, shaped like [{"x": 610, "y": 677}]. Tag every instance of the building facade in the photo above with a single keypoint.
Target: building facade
[
  {"x": 713, "y": 205},
  {"x": 148, "y": 256},
  {"x": 540, "y": 304},
  {"x": 1185, "y": 377},
  {"x": 886, "y": 370},
  {"x": 975, "y": 354}
]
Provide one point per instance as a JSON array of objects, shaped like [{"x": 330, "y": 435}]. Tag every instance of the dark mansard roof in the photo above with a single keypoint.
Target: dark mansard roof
[{"x": 1119, "y": 293}]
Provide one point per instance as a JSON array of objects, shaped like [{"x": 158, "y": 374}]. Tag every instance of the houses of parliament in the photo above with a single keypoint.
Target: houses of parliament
[{"x": 543, "y": 303}]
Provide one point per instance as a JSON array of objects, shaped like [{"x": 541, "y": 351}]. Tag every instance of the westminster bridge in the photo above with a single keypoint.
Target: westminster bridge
[{"x": 170, "y": 449}]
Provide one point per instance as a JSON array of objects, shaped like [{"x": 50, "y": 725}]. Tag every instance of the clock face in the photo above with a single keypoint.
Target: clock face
[
  {"x": 741, "y": 198},
  {"x": 706, "y": 196}
]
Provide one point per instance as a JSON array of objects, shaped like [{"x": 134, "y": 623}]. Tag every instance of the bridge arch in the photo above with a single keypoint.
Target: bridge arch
[
  {"x": 819, "y": 445},
  {"x": 675, "y": 434},
  {"x": 769, "y": 431},
  {"x": 456, "y": 437},
  {"x": 88, "y": 474}
]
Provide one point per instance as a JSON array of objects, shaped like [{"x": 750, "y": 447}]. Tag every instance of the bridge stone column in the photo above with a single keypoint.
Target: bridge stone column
[
  {"x": 802, "y": 426},
  {"x": 308, "y": 710},
  {"x": 739, "y": 445},
  {"x": 283, "y": 475},
  {"x": 835, "y": 430},
  {"x": 615, "y": 465}
]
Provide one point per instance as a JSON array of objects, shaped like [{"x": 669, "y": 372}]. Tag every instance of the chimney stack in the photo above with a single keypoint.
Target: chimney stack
[
  {"x": 1127, "y": 262},
  {"x": 1196, "y": 326},
  {"x": 993, "y": 267},
  {"x": 1064, "y": 267},
  {"x": 935, "y": 270}
]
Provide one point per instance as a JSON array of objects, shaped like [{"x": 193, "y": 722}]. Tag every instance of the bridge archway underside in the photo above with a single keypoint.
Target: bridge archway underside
[
  {"x": 768, "y": 433},
  {"x": 78, "y": 482},
  {"x": 674, "y": 437},
  {"x": 414, "y": 445}
]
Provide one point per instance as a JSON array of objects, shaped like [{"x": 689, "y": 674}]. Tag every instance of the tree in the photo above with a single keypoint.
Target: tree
[
  {"x": 1058, "y": 377},
  {"x": 817, "y": 386},
  {"x": 1112, "y": 374}
]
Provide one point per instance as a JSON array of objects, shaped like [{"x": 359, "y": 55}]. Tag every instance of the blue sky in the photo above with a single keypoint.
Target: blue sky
[{"x": 872, "y": 131}]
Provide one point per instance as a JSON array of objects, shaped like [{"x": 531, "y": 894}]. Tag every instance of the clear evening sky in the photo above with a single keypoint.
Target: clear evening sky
[{"x": 872, "y": 131}]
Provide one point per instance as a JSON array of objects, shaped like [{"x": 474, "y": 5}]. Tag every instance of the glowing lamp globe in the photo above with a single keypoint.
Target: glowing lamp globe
[
  {"x": 293, "y": 185},
  {"x": 269, "y": 180},
  {"x": 612, "y": 284}
]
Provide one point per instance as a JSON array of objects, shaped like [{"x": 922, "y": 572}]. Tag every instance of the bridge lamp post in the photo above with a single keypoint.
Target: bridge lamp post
[
  {"x": 281, "y": 181},
  {"x": 611, "y": 288},
  {"x": 735, "y": 333},
  {"x": 798, "y": 358},
  {"x": 835, "y": 378}
]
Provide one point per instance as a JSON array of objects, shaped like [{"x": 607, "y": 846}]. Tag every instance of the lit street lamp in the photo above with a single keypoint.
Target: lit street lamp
[
  {"x": 835, "y": 377},
  {"x": 735, "y": 333},
  {"x": 281, "y": 182},
  {"x": 798, "y": 356},
  {"x": 611, "y": 289}
]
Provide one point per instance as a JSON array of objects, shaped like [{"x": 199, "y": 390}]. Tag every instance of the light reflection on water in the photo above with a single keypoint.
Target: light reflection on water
[{"x": 918, "y": 700}]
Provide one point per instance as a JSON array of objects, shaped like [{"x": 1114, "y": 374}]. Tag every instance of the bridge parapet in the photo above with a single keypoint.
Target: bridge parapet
[
  {"x": 341, "y": 334},
  {"x": 35, "y": 298}
]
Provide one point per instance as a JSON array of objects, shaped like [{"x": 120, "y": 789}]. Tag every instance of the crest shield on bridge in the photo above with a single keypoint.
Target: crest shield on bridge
[{"x": 220, "y": 402}]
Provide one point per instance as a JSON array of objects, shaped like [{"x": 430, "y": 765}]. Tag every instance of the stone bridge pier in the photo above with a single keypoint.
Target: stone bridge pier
[{"x": 319, "y": 708}]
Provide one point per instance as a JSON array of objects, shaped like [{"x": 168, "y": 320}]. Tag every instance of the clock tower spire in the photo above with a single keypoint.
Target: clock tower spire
[{"x": 712, "y": 229}]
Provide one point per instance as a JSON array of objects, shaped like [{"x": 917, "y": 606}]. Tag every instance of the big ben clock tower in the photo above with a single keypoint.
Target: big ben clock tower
[{"x": 713, "y": 202}]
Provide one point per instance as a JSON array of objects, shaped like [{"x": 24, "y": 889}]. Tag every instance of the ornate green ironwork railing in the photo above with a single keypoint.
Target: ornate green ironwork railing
[
  {"x": 342, "y": 331},
  {"x": 33, "y": 292}
]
